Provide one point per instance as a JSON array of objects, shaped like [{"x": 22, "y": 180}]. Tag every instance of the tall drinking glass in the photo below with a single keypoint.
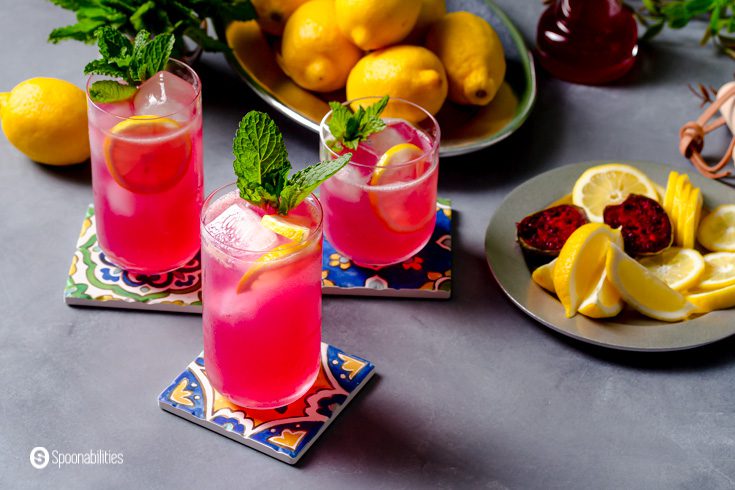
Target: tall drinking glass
[
  {"x": 381, "y": 208},
  {"x": 147, "y": 177},
  {"x": 262, "y": 301}
]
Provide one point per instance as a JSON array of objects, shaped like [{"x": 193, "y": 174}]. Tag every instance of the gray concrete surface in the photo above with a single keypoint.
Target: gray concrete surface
[{"x": 471, "y": 394}]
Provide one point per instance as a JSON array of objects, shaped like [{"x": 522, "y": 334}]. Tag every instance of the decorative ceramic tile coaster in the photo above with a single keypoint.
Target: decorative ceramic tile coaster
[
  {"x": 95, "y": 281},
  {"x": 428, "y": 274},
  {"x": 284, "y": 433}
]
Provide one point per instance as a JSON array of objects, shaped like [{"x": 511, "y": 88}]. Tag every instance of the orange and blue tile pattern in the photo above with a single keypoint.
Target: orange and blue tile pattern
[
  {"x": 427, "y": 274},
  {"x": 284, "y": 433}
]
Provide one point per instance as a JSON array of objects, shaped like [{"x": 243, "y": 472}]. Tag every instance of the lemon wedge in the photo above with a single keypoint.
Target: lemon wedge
[
  {"x": 285, "y": 227},
  {"x": 719, "y": 299},
  {"x": 679, "y": 268},
  {"x": 544, "y": 276},
  {"x": 681, "y": 203},
  {"x": 642, "y": 290},
  {"x": 717, "y": 230},
  {"x": 581, "y": 263},
  {"x": 609, "y": 184},
  {"x": 719, "y": 271},
  {"x": 603, "y": 302}
]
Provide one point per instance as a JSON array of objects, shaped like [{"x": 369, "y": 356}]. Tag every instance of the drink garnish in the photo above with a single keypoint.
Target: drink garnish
[
  {"x": 261, "y": 166},
  {"x": 350, "y": 128},
  {"x": 132, "y": 61}
]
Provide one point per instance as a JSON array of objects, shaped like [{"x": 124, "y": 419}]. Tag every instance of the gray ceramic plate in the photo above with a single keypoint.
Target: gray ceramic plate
[
  {"x": 464, "y": 129},
  {"x": 629, "y": 330}
]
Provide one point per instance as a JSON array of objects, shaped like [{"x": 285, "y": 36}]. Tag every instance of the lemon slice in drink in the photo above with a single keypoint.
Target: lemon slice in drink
[
  {"x": 717, "y": 229},
  {"x": 581, "y": 263},
  {"x": 719, "y": 271},
  {"x": 642, "y": 290},
  {"x": 147, "y": 154},
  {"x": 679, "y": 268},
  {"x": 285, "y": 227},
  {"x": 608, "y": 184},
  {"x": 402, "y": 163}
]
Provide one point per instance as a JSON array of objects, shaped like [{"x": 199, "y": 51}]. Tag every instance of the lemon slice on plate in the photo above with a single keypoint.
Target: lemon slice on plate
[
  {"x": 603, "y": 302},
  {"x": 679, "y": 268},
  {"x": 147, "y": 154},
  {"x": 719, "y": 271},
  {"x": 642, "y": 290},
  {"x": 402, "y": 209},
  {"x": 544, "y": 276},
  {"x": 609, "y": 184},
  {"x": 581, "y": 263},
  {"x": 717, "y": 229},
  {"x": 719, "y": 299}
]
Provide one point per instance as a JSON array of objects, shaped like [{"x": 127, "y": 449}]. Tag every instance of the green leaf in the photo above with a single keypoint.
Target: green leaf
[
  {"x": 652, "y": 31},
  {"x": 349, "y": 129},
  {"x": 81, "y": 31},
  {"x": 104, "y": 91},
  {"x": 260, "y": 157},
  {"x": 137, "y": 18},
  {"x": 301, "y": 184},
  {"x": 103, "y": 67},
  {"x": 200, "y": 36},
  {"x": 113, "y": 45}
]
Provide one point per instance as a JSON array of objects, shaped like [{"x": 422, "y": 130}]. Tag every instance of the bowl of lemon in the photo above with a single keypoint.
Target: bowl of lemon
[{"x": 463, "y": 61}]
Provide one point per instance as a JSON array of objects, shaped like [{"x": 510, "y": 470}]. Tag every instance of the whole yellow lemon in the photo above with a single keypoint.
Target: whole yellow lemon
[
  {"x": 46, "y": 119},
  {"x": 431, "y": 11},
  {"x": 273, "y": 14},
  {"x": 314, "y": 53},
  {"x": 410, "y": 72},
  {"x": 374, "y": 24},
  {"x": 472, "y": 54}
]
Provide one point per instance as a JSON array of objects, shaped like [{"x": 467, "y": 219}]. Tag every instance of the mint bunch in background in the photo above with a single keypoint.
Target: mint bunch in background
[
  {"x": 262, "y": 167},
  {"x": 181, "y": 18},
  {"x": 134, "y": 62},
  {"x": 350, "y": 128}
]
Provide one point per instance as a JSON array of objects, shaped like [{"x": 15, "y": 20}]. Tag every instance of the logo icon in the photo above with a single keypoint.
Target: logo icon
[{"x": 39, "y": 457}]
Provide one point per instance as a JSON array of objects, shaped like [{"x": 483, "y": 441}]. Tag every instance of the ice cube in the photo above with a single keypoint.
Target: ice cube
[
  {"x": 385, "y": 139},
  {"x": 348, "y": 183},
  {"x": 239, "y": 227},
  {"x": 121, "y": 201},
  {"x": 165, "y": 94}
]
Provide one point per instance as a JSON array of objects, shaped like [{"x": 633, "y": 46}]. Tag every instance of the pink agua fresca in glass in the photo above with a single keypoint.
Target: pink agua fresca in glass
[
  {"x": 262, "y": 301},
  {"x": 147, "y": 177},
  {"x": 381, "y": 208}
]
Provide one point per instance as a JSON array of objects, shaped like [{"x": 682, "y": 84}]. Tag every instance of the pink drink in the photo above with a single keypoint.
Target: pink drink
[
  {"x": 147, "y": 172},
  {"x": 381, "y": 215},
  {"x": 262, "y": 313}
]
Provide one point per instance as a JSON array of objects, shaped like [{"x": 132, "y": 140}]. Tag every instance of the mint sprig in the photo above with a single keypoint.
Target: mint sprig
[
  {"x": 349, "y": 128},
  {"x": 133, "y": 61},
  {"x": 262, "y": 166}
]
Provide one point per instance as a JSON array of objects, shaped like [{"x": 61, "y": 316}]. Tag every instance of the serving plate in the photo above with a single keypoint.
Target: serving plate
[
  {"x": 627, "y": 331},
  {"x": 464, "y": 129}
]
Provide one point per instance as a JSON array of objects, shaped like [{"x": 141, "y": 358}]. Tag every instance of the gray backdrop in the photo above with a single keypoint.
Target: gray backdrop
[{"x": 471, "y": 392}]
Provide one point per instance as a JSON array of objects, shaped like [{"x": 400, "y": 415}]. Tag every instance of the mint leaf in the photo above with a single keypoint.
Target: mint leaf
[
  {"x": 114, "y": 46},
  {"x": 261, "y": 166},
  {"x": 301, "y": 184},
  {"x": 260, "y": 158},
  {"x": 349, "y": 128},
  {"x": 150, "y": 57},
  {"x": 110, "y": 91}
]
